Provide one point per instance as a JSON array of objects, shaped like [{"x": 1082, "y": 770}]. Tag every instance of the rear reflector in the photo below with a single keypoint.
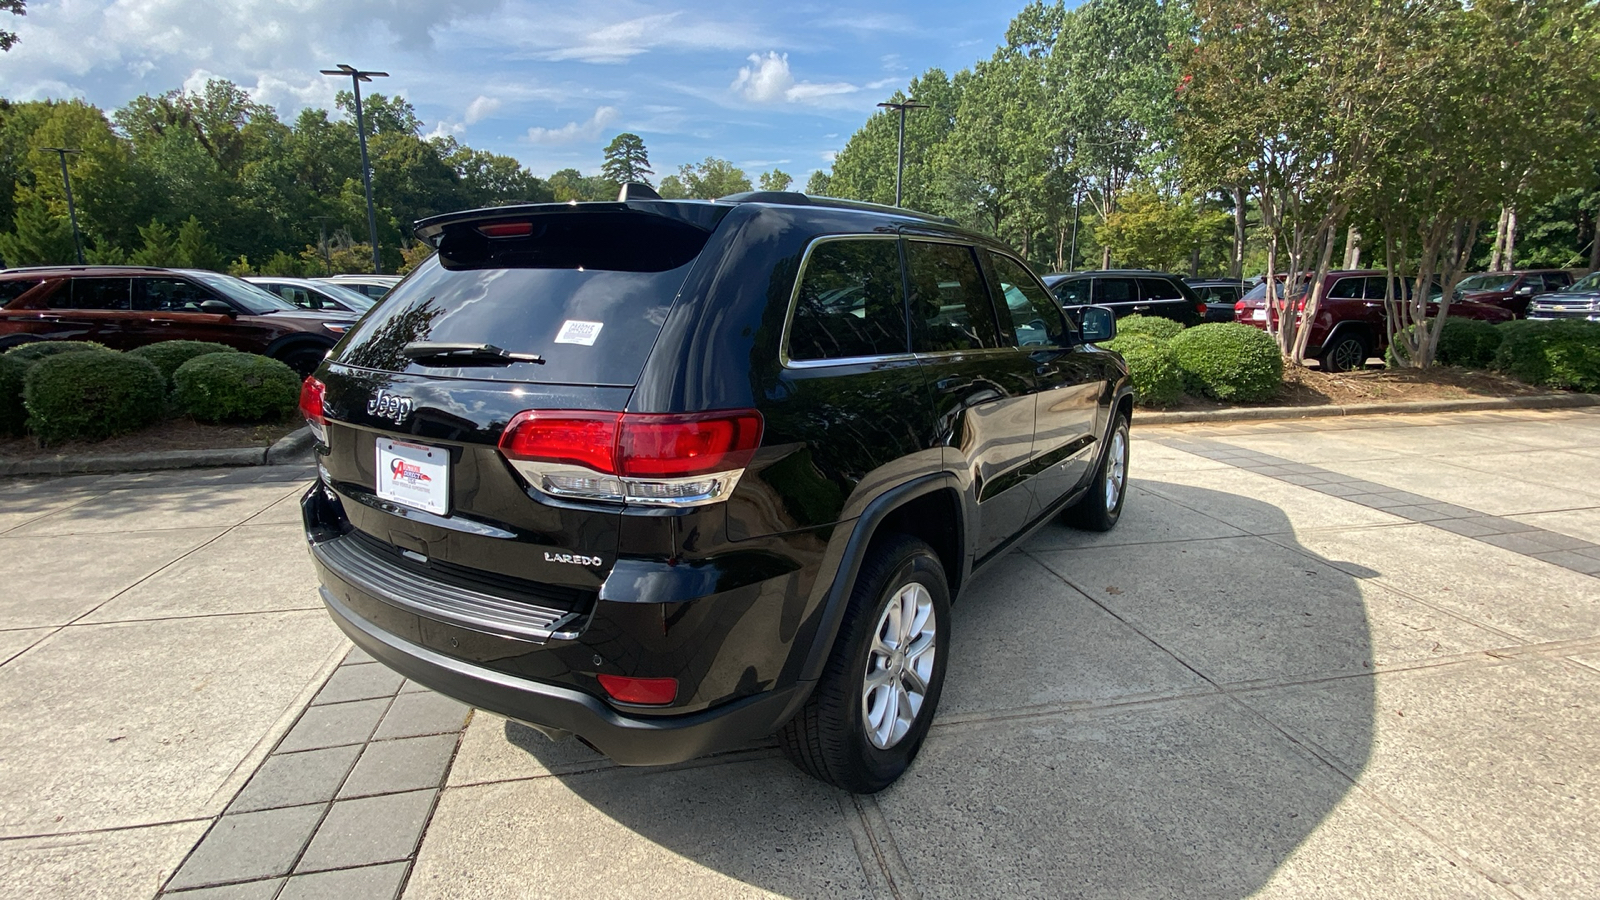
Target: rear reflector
[
  {"x": 311, "y": 396},
  {"x": 644, "y": 691}
]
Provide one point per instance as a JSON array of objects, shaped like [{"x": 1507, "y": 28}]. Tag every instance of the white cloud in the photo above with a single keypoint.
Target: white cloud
[
  {"x": 572, "y": 34},
  {"x": 480, "y": 109},
  {"x": 828, "y": 156},
  {"x": 768, "y": 80},
  {"x": 575, "y": 131}
]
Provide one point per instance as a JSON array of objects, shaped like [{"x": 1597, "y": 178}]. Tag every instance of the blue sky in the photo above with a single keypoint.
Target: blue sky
[{"x": 765, "y": 85}]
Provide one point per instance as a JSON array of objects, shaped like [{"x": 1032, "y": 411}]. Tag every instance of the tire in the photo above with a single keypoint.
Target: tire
[
  {"x": 302, "y": 358},
  {"x": 838, "y": 736},
  {"x": 1346, "y": 353},
  {"x": 1101, "y": 507}
]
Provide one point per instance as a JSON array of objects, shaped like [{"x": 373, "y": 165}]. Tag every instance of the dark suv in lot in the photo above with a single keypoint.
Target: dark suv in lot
[
  {"x": 674, "y": 475},
  {"x": 1128, "y": 291},
  {"x": 1512, "y": 291},
  {"x": 129, "y": 306}
]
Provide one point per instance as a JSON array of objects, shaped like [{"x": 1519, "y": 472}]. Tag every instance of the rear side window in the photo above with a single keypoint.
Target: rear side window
[
  {"x": 94, "y": 293},
  {"x": 1114, "y": 290},
  {"x": 1349, "y": 288},
  {"x": 1159, "y": 289},
  {"x": 13, "y": 288},
  {"x": 851, "y": 302},
  {"x": 588, "y": 292},
  {"x": 950, "y": 308}
]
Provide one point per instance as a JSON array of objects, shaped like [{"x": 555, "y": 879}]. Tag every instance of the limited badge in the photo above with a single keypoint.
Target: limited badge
[{"x": 575, "y": 332}]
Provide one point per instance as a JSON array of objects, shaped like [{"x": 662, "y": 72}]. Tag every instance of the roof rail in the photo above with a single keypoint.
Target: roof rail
[{"x": 795, "y": 198}]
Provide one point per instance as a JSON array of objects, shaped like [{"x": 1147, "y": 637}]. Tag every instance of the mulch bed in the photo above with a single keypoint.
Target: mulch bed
[
  {"x": 172, "y": 434},
  {"x": 1310, "y": 387}
]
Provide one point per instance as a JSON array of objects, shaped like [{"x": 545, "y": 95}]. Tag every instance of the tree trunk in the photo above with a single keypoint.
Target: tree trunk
[
  {"x": 1511, "y": 238},
  {"x": 1594, "y": 242},
  {"x": 1105, "y": 257},
  {"x": 1236, "y": 263},
  {"x": 1194, "y": 263},
  {"x": 1497, "y": 255},
  {"x": 1352, "y": 248}
]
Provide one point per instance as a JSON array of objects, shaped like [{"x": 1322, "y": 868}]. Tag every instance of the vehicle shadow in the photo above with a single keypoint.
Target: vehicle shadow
[{"x": 1097, "y": 736}]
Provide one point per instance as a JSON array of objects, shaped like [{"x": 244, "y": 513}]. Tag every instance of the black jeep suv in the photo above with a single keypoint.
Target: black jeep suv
[{"x": 674, "y": 475}]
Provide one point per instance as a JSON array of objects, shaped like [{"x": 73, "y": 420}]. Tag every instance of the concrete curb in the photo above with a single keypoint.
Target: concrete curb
[
  {"x": 284, "y": 450},
  {"x": 1263, "y": 413}
]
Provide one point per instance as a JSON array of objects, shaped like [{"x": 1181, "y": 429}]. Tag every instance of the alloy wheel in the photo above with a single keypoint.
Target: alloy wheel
[{"x": 899, "y": 666}]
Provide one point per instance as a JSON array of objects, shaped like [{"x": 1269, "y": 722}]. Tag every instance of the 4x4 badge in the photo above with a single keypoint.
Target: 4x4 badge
[{"x": 388, "y": 406}]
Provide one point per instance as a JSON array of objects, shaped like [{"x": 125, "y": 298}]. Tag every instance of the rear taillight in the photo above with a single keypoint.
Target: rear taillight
[
  {"x": 644, "y": 691},
  {"x": 311, "y": 393},
  {"x": 649, "y": 459},
  {"x": 506, "y": 229},
  {"x": 1200, "y": 308},
  {"x": 1241, "y": 306}
]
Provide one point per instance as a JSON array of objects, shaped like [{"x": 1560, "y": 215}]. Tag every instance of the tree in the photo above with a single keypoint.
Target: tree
[
  {"x": 712, "y": 178},
  {"x": 1152, "y": 230},
  {"x": 776, "y": 180},
  {"x": 626, "y": 160},
  {"x": 820, "y": 184},
  {"x": 160, "y": 246},
  {"x": 193, "y": 248},
  {"x": 672, "y": 188},
  {"x": 38, "y": 236},
  {"x": 8, "y": 39}
]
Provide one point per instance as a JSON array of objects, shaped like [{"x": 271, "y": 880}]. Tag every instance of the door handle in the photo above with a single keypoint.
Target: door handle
[{"x": 43, "y": 318}]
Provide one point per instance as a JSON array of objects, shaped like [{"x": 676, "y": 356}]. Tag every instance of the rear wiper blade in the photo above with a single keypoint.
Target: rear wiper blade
[{"x": 469, "y": 354}]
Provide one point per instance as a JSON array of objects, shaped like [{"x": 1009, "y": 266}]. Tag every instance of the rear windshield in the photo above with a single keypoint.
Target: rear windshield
[{"x": 590, "y": 300}]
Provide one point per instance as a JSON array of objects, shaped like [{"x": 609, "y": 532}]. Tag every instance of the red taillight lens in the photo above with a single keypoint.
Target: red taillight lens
[
  {"x": 652, "y": 446},
  {"x": 651, "y": 691},
  {"x": 1241, "y": 306},
  {"x": 1200, "y": 308},
  {"x": 311, "y": 393},
  {"x": 582, "y": 438},
  {"x": 635, "y": 445},
  {"x": 506, "y": 229}
]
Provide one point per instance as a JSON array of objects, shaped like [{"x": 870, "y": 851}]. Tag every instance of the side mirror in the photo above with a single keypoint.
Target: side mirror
[
  {"x": 218, "y": 308},
  {"x": 1525, "y": 290},
  {"x": 1096, "y": 324}
]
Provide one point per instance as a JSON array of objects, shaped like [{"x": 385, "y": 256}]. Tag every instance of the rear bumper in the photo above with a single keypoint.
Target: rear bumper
[{"x": 628, "y": 740}]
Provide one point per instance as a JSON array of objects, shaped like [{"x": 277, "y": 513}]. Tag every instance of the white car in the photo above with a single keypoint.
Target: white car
[
  {"x": 308, "y": 293},
  {"x": 374, "y": 286}
]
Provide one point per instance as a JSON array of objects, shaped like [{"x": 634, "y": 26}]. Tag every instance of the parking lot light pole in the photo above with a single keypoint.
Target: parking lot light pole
[
  {"x": 357, "y": 76},
  {"x": 900, "y": 157},
  {"x": 66, "y": 181}
]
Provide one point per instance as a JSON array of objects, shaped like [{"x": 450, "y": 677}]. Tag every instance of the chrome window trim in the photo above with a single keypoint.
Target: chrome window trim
[{"x": 794, "y": 299}]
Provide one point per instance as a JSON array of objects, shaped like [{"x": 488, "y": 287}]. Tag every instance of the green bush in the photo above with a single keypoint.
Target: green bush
[
  {"x": 92, "y": 396},
  {"x": 1561, "y": 354},
  {"x": 29, "y": 354},
  {"x": 169, "y": 355},
  {"x": 236, "y": 387},
  {"x": 12, "y": 413},
  {"x": 1229, "y": 361},
  {"x": 1156, "y": 376},
  {"x": 1154, "y": 326},
  {"x": 1469, "y": 343}
]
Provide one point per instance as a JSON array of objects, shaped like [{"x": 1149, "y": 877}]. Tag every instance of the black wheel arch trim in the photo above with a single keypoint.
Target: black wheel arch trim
[{"x": 862, "y": 532}]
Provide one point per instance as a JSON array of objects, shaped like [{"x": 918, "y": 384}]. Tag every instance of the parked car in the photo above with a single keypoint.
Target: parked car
[
  {"x": 1579, "y": 300},
  {"x": 1128, "y": 291},
  {"x": 1512, "y": 290},
  {"x": 129, "y": 306},
  {"x": 374, "y": 286},
  {"x": 1351, "y": 324},
  {"x": 673, "y": 475},
  {"x": 308, "y": 293},
  {"x": 1219, "y": 295}
]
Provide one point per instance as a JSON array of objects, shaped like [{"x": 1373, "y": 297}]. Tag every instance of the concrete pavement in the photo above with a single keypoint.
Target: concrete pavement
[{"x": 1353, "y": 657}]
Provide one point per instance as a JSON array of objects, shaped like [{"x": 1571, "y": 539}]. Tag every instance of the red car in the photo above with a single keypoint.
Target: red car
[
  {"x": 1512, "y": 290},
  {"x": 129, "y": 306},
  {"x": 1350, "y": 326}
]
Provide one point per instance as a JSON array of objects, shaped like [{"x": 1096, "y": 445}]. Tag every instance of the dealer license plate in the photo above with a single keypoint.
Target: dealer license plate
[
  {"x": 1259, "y": 315},
  {"x": 414, "y": 475}
]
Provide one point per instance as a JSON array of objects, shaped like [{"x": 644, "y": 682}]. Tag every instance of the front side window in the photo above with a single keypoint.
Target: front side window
[
  {"x": 1348, "y": 289},
  {"x": 1074, "y": 292},
  {"x": 171, "y": 295},
  {"x": 950, "y": 308},
  {"x": 1034, "y": 316},
  {"x": 851, "y": 302},
  {"x": 93, "y": 293}
]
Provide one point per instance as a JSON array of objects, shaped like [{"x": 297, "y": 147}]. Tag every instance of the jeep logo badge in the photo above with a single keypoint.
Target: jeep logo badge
[
  {"x": 388, "y": 406},
  {"x": 573, "y": 559}
]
